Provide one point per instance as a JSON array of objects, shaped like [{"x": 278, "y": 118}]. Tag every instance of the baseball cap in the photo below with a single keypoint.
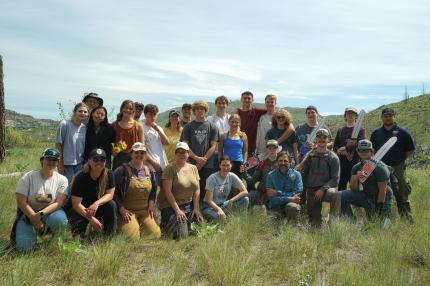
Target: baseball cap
[
  {"x": 50, "y": 153},
  {"x": 172, "y": 112},
  {"x": 138, "y": 146},
  {"x": 182, "y": 145},
  {"x": 388, "y": 110},
  {"x": 272, "y": 142},
  {"x": 351, "y": 108},
  {"x": 323, "y": 132},
  {"x": 97, "y": 153},
  {"x": 93, "y": 95},
  {"x": 311, "y": 107},
  {"x": 364, "y": 145},
  {"x": 186, "y": 105}
]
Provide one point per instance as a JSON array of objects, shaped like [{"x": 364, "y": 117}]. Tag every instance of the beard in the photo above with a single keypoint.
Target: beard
[{"x": 283, "y": 169}]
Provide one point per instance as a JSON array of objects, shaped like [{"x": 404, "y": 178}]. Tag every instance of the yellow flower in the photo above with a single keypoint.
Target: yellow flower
[
  {"x": 117, "y": 149},
  {"x": 123, "y": 145}
]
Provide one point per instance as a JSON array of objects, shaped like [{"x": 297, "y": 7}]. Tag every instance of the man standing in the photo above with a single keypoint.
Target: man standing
[
  {"x": 303, "y": 130},
  {"x": 186, "y": 114},
  {"x": 202, "y": 137},
  {"x": 345, "y": 147},
  {"x": 264, "y": 125},
  {"x": 396, "y": 157},
  {"x": 154, "y": 141},
  {"x": 284, "y": 188},
  {"x": 249, "y": 117},
  {"x": 320, "y": 171},
  {"x": 220, "y": 120},
  {"x": 92, "y": 100}
]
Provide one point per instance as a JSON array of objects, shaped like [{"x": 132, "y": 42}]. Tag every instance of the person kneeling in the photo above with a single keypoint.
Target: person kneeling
[
  {"x": 219, "y": 186},
  {"x": 40, "y": 195},
  {"x": 284, "y": 188},
  {"x": 377, "y": 195},
  {"x": 135, "y": 195},
  {"x": 92, "y": 193}
]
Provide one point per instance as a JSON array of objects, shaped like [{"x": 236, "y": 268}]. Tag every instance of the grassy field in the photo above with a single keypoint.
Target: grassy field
[{"x": 249, "y": 250}]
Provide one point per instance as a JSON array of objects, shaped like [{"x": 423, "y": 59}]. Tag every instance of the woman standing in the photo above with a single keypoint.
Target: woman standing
[
  {"x": 127, "y": 130},
  {"x": 173, "y": 130},
  {"x": 180, "y": 190},
  {"x": 92, "y": 193},
  {"x": 377, "y": 195},
  {"x": 280, "y": 122},
  {"x": 100, "y": 134},
  {"x": 135, "y": 195},
  {"x": 219, "y": 187},
  {"x": 40, "y": 195},
  {"x": 70, "y": 141},
  {"x": 234, "y": 144}
]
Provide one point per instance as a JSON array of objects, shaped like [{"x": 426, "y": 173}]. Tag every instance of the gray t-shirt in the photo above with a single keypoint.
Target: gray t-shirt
[
  {"x": 302, "y": 133},
  {"x": 72, "y": 139},
  {"x": 39, "y": 192},
  {"x": 221, "y": 186},
  {"x": 199, "y": 135}
]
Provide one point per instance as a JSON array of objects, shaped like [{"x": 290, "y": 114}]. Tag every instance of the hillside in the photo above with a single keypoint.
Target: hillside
[{"x": 413, "y": 114}]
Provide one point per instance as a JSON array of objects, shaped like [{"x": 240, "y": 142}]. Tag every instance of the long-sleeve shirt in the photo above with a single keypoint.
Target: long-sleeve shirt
[
  {"x": 321, "y": 170},
  {"x": 286, "y": 186}
]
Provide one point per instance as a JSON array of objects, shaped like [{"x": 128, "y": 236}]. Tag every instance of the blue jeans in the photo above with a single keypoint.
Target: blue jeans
[
  {"x": 26, "y": 234},
  {"x": 365, "y": 201},
  {"x": 71, "y": 170},
  {"x": 211, "y": 215}
]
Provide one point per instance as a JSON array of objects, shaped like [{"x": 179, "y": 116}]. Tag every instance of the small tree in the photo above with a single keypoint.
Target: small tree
[{"x": 2, "y": 115}]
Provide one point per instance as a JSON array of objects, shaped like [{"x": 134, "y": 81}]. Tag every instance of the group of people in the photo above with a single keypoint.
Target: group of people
[{"x": 205, "y": 168}]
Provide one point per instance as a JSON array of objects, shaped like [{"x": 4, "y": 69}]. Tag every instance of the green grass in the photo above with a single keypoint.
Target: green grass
[{"x": 248, "y": 250}]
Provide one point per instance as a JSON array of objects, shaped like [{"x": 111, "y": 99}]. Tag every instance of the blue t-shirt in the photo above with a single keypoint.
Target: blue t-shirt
[
  {"x": 234, "y": 149},
  {"x": 287, "y": 145},
  {"x": 72, "y": 140},
  {"x": 397, "y": 154}
]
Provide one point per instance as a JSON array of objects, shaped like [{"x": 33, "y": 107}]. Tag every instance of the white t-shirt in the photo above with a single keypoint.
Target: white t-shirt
[
  {"x": 39, "y": 192},
  {"x": 220, "y": 122},
  {"x": 264, "y": 124},
  {"x": 154, "y": 147}
]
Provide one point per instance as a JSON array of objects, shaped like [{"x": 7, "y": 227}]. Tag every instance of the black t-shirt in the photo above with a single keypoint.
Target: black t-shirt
[{"x": 86, "y": 188}]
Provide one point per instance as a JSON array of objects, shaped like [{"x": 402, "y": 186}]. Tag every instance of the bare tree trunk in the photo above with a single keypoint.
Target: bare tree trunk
[{"x": 2, "y": 115}]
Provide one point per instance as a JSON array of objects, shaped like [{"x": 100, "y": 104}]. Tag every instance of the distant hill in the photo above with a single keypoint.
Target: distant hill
[{"x": 413, "y": 114}]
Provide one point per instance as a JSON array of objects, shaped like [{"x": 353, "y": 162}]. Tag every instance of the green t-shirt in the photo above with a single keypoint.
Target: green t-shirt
[{"x": 379, "y": 174}]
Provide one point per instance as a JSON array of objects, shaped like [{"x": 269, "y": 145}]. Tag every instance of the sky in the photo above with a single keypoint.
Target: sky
[{"x": 331, "y": 54}]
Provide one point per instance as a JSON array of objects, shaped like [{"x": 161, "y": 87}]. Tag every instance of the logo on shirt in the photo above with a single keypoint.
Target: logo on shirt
[{"x": 200, "y": 135}]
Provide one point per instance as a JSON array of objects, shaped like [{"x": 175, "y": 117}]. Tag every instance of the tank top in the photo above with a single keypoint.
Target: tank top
[
  {"x": 129, "y": 136},
  {"x": 234, "y": 149}
]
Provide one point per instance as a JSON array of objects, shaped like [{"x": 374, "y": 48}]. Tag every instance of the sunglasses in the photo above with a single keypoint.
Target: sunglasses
[
  {"x": 51, "y": 159},
  {"x": 363, "y": 151},
  {"x": 98, "y": 159}
]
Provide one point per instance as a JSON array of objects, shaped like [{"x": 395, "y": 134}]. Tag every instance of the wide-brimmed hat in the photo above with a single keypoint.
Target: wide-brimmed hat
[{"x": 93, "y": 95}]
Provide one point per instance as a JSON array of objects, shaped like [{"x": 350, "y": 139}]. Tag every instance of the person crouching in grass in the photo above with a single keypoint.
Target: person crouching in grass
[
  {"x": 284, "y": 188},
  {"x": 376, "y": 196},
  {"x": 40, "y": 195},
  {"x": 135, "y": 195},
  {"x": 219, "y": 200},
  {"x": 320, "y": 174},
  {"x": 92, "y": 193}
]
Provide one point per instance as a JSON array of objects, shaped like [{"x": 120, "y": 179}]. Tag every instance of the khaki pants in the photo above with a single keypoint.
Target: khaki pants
[
  {"x": 140, "y": 222},
  {"x": 402, "y": 194},
  {"x": 314, "y": 206}
]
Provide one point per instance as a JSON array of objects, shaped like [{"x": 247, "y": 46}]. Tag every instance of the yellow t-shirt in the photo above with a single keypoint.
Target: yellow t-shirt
[{"x": 174, "y": 139}]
